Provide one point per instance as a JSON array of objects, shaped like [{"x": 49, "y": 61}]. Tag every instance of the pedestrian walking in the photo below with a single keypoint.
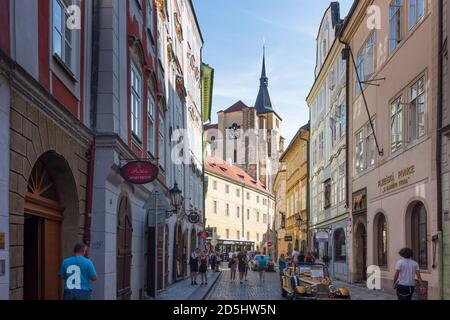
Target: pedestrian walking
[
  {"x": 193, "y": 265},
  {"x": 242, "y": 264},
  {"x": 247, "y": 265},
  {"x": 232, "y": 264},
  {"x": 77, "y": 272},
  {"x": 406, "y": 271},
  {"x": 309, "y": 258},
  {"x": 203, "y": 268},
  {"x": 262, "y": 263},
  {"x": 282, "y": 264},
  {"x": 213, "y": 259},
  {"x": 295, "y": 260}
]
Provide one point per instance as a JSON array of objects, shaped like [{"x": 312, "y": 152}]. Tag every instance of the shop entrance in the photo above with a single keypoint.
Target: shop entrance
[
  {"x": 361, "y": 252},
  {"x": 42, "y": 236}
]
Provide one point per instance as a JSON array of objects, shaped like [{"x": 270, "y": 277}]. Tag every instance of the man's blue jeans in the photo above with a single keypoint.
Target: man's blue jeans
[{"x": 77, "y": 295}]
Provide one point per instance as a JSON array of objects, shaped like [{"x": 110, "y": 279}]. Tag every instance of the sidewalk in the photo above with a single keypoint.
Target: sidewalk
[
  {"x": 183, "y": 290},
  {"x": 361, "y": 292}
]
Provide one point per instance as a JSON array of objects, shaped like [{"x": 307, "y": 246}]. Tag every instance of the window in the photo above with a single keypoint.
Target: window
[
  {"x": 333, "y": 130},
  {"x": 342, "y": 120},
  {"x": 321, "y": 146},
  {"x": 360, "y": 152},
  {"x": 366, "y": 61},
  {"x": 334, "y": 186},
  {"x": 227, "y": 189},
  {"x": 264, "y": 218},
  {"x": 419, "y": 239},
  {"x": 341, "y": 183},
  {"x": 136, "y": 108},
  {"x": 320, "y": 197},
  {"x": 150, "y": 124},
  {"x": 416, "y": 11},
  {"x": 248, "y": 236},
  {"x": 215, "y": 185},
  {"x": 303, "y": 198},
  {"x": 62, "y": 36},
  {"x": 248, "y": 214},
  {"x": 238, "y": 212},
  {"x": 227, "y": 232},
  {"x": 162, "y": 140},
  {"x": 257, "y": 199},
  {"x": 150, "y": 15},
  {"x": 238, "y": 193},
  {"x": 227, "y": 212},
  {"x": 395, "y": 24},
  {"x": 238, "y": 235},
  {"x": 370, "y": 145},
  {"x": 327, "y": 194},
  {"x": 257, "y": 216},
  {"x": 215, "y": 207},
  {"x": 257, "y": 237},
  {"x": 381, "y": 241},
  {"x": 417, "y": 109},
  {"x": 304, "y": 152},
  {"x": 396, "y": 118},
  {"x": 340, "y": 249},
  {"x": 248, "y": 195}
]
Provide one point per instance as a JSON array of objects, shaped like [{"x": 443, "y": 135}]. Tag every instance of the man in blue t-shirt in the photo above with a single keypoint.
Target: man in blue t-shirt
[{"x": 77, "y": 272}]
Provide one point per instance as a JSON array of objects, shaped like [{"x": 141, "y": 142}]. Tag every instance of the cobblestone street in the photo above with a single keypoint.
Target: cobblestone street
[{"x": 253, "y": 289}]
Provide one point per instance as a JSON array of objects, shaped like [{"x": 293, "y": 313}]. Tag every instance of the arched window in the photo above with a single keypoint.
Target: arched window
[
  {"x": 340, "y": 249},
  {"x": 381, "y": 240},
  {"x": 419, "y": 235}
]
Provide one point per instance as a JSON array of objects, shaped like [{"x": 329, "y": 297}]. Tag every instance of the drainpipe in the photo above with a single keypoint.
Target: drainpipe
[
  {"x": 307, "y": 183},
  {"x": 439, "y": 147},
  {"x": 347, "y": 131},
  {"x": 93, "y": 120}
]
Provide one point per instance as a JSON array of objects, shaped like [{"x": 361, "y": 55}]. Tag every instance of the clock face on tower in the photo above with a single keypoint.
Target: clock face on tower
[{"x": 234, "y": 132}]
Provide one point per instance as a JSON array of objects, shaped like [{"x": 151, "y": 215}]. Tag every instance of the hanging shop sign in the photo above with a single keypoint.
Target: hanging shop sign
[
  {"x": 139, "y": 172},
  {"x": 194, "y": 217},
  {"x": 203, "y": 234},
  {"x": 288, "y": 238},
  {"x": 2, "y": 241}
]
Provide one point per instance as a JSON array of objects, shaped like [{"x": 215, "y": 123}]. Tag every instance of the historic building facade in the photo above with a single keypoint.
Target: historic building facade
[
  {"x": 393, "y": 138},
  {"x": 295, "y": 160},
  {"x": 79, "y": 99},
  {"x": 329, "y": 219},
  {"x": 43, "y": 104},
  {"x": 279, "y": 225},
  {"x": 239, "y": 207}
]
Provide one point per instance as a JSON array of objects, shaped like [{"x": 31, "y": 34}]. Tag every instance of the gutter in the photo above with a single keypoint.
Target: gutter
[
  {"x": 440, "y": 107},
  {"x": 94, "y": 91}
]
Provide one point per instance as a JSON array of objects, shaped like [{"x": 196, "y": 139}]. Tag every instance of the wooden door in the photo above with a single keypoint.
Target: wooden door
[
  {"x": 124, "y": 250},
  {"x": 52, "y": 259},
  {"x": 42, "y": 245}
]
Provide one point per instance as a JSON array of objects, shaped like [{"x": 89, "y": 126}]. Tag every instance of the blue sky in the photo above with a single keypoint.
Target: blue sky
[{"x": 234, "y": 30}]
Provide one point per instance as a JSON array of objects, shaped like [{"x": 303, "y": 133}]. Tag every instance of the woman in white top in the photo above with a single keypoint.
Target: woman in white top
[{"x": 405, "y": 276}]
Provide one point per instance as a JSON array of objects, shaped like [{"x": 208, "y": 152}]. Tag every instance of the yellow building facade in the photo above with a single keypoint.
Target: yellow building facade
[{"x": 295, "y": 160}]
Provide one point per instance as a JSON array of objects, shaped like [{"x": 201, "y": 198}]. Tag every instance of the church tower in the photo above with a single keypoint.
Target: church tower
[
  {"x": 249, "y": 137},
  {"x": 269, "y": 133}
]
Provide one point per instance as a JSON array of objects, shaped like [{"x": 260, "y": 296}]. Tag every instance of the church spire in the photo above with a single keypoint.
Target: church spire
[{"x": 263, "y": 103}]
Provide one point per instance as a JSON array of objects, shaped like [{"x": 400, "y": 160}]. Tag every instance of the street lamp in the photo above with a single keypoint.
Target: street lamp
[
  {"x": 176, "y": 196},
  {"x": 298, "y": 221}
]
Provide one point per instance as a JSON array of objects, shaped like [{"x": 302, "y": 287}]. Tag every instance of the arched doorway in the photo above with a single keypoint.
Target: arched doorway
[
  {"x": 193, "y": 240},
  {"x": 124, "y": 250},
  {"x": 361, "y": 252},
  {"x": 43, "y": 216},
  {"x": 178, "y": 254}
]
